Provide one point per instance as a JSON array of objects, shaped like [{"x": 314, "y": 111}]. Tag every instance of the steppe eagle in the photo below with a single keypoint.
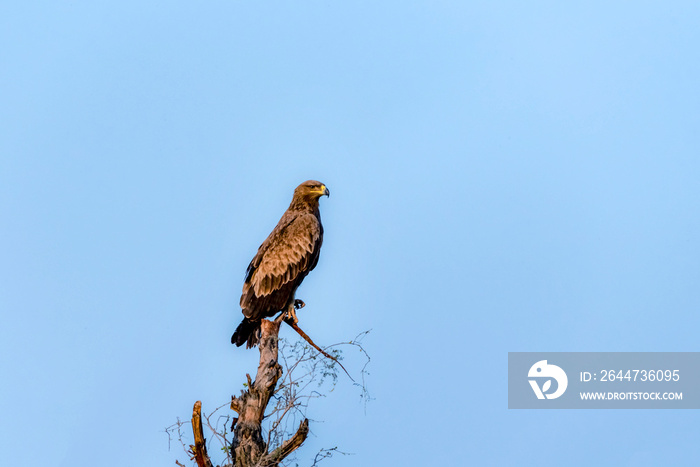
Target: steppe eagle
[{"x": 282, "y": 262}]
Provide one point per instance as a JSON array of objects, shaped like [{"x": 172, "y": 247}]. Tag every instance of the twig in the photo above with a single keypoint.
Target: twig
[{"x": 308, "y": 339}]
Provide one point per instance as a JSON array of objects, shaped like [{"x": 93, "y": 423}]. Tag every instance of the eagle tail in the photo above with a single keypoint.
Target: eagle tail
[{"x": 248, "y": 331}]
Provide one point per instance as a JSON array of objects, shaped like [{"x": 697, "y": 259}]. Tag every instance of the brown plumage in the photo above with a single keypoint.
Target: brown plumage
[{"x": 288, "y": 254}]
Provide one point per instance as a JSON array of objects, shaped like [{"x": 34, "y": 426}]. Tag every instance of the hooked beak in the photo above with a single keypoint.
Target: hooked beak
[{"x": 326, "y": 191}]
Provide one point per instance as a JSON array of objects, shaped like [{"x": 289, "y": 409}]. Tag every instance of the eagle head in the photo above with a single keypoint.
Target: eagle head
[{"x": 311, "y": 190}]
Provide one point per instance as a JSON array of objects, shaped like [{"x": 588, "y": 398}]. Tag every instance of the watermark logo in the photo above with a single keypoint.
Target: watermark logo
[
  {"x": 603, "y": 380},
  {"x": 544, "y": 370}
]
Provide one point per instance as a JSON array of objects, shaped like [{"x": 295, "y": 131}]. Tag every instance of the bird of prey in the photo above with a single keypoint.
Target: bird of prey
[{"x": 283, "y": 260}]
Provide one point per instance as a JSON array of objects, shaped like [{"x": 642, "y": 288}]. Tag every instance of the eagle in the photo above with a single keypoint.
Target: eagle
[{"x": 282, "y": 262}]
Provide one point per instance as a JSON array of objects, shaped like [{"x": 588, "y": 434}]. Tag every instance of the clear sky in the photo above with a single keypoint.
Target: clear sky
[{"x": 505, "y": 176}]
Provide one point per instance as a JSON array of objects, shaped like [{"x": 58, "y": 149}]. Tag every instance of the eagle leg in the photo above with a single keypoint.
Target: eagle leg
[{"x": 299, "y": 304}]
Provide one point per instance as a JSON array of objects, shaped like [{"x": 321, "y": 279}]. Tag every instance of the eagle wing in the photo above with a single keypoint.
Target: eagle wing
[{"x": 282, "y": 262}]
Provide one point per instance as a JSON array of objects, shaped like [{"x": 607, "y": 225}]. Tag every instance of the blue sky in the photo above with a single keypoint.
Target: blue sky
[{"x": 505, "y": 176}]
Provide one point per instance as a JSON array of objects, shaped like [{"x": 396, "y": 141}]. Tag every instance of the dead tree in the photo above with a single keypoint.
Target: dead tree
[
  {"x": 253, "y": 446},
  {"x": 249, "y": 448}
]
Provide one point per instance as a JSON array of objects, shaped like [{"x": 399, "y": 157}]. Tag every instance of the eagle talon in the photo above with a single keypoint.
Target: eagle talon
[
  {"x": 299, "y": 304},
  {"x": 292, "y": 316},
  {"x": 289, "y": 316}
]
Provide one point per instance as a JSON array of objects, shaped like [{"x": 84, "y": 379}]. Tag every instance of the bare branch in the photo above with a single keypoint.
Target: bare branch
[
  {"x": 199, "y": 449},
  {"x": 313, "y": 344},
  {"x": 288, "y": 446}
]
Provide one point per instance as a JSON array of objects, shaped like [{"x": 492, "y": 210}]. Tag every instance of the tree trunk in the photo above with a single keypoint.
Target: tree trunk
[{"x": 249, "y": 448}]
